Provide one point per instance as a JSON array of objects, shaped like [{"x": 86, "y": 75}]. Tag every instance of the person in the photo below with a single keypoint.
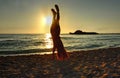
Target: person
[{"x": 55, "y": 33}]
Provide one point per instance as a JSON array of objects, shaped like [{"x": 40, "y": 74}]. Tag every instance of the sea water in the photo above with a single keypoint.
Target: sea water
[{"x": 16, "y": 44}]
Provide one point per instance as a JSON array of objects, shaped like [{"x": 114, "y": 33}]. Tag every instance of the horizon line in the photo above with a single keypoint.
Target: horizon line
[{"x": 49, "y": 33}]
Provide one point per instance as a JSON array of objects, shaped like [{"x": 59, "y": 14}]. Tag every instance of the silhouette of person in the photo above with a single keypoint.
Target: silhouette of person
[{"x": 55, "y": 33}]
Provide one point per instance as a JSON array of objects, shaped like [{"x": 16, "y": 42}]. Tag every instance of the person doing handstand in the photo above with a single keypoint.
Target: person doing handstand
[{"x": 55, "y": 33}]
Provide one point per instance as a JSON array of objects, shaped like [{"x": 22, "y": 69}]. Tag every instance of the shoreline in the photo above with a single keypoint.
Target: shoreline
[
  {"x": 85, "y": 64},
  {"x": 49, "y": 52}
]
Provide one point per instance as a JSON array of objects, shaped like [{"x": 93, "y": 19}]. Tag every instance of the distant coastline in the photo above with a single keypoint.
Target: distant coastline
[{"x": 79, "y": 32}]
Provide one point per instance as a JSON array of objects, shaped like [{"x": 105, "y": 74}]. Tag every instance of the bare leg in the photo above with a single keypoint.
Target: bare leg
[
  {"x": 58, "y": 14},
  {"x": 54, "y": 14},
  {"x": 54, "y": 18}
]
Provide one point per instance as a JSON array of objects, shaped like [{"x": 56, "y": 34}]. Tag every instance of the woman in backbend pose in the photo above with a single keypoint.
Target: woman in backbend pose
[{"x": 55, "y": 33}]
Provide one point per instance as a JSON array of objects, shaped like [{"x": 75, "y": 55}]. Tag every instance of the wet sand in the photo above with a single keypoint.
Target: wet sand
[{"x": 101, "y": 63}]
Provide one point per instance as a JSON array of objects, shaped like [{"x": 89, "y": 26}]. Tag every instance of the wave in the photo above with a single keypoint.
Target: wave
[
  {"x": 25, "y": 51},
  {"x": 19, "y": 42},
  {"x": 23, "y": 44}
]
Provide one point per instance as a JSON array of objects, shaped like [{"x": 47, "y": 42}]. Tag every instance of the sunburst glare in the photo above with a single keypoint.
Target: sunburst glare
[{"x": 47, "y": 20}]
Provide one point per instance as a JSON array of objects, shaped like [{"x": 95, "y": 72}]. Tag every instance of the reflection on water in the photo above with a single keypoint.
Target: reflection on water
[
  {"x": 48, "y": 41},
  {"x": 42, "y": 43}
]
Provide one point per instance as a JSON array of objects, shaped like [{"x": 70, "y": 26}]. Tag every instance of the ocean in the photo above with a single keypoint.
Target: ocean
[{"x": 25, "y": 44}]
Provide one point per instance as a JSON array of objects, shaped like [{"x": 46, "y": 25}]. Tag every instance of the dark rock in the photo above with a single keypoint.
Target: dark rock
[{"x": 81, "y": 32}]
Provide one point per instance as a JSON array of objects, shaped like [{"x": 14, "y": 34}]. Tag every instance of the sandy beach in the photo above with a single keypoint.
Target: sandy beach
[{"x": 101, "y": 63}]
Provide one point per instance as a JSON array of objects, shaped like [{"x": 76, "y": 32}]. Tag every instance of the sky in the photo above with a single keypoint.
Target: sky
[{"x": 34, "y": 16}]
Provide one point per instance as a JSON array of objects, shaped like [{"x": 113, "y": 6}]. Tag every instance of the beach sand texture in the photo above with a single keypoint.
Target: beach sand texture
[{"x": 102, "y": 63}]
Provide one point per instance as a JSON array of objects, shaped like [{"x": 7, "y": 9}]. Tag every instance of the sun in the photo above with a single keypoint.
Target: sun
[{"x": 47, "y": 20}]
